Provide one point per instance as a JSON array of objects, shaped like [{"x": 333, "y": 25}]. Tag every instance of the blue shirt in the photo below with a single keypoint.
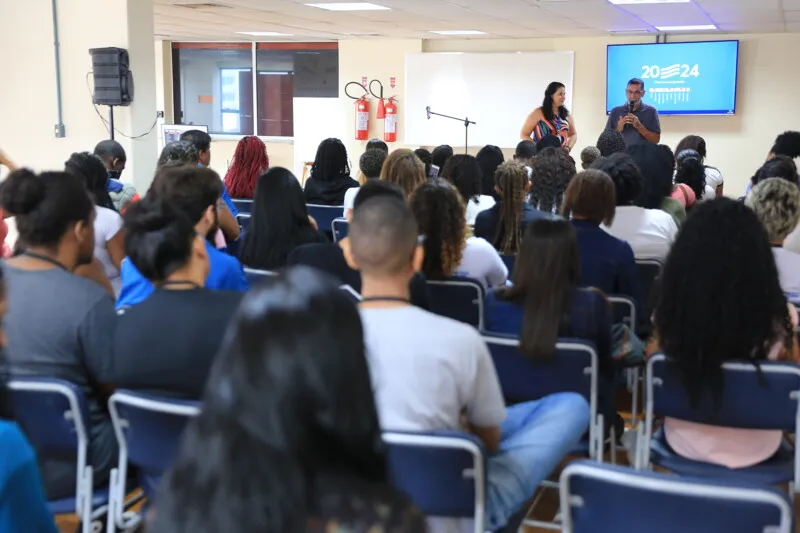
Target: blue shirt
[
  {"x": 22, "y": 501},
  {"x": 607, "y": 263},
  {"x": 648, "y": 116},
  {"x": 227, "y": 198},
  {"x": 226, "y": 274}
]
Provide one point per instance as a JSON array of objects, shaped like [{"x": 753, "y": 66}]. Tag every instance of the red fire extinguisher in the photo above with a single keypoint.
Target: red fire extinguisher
[
  {"x": 390, "y": 123},
  {"x": 362, "y": 111}
]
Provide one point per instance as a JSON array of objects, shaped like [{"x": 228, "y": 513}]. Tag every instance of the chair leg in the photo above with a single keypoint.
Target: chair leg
[
  {"x": 86, "y": 500},
  {"x": 111, "y": 525}
]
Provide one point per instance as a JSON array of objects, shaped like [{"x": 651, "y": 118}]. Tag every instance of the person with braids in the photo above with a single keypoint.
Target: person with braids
[
  {"x": 720, "y": 300},
  {"x": 464, "y": 172},
  {"x": 250, "y": 160},
  {"x": 656, "y": 165},
  {"x": 650, "y": 232},
  {"x": 714, "y": 178},
  {"x": 489, "y": 158},
  {"x": 330, "y": 175},
  {"x": 552, "y": 118},
  {"x": 441, "y": 217},
  {"x": 606, "y": 262},
  {"x": 777, "y": 204},
  {"x": 109, "y": 239},
  {"x": 505, "y": 222},
  {"x": 551, "y": 173},
  {"x": 690, "y": 180},
  {"x": 404, "y": 169}
]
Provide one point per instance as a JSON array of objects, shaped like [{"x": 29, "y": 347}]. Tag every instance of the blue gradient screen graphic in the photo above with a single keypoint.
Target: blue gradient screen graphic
[{"x": 680, "y": 78}]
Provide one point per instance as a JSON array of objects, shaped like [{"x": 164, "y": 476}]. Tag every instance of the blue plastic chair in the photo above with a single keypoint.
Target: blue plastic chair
[
  {"x": 244, "y": 221},
  {"x": 765, "y": 399},
  {"x": 55, "y": 417},
  {"x": 339, "y": 227},
  {"x": 624, "y": 312},
  {"x": 149, "y": 431},
  {"x": 458, "y": 298},
  {"x": 255, "y": 276},
  {"x": 444, "y": 473},
  {"x": 243, "y": 205},
  {"x": 611, "y": 499},
  {"x": 324, "y": 215}
]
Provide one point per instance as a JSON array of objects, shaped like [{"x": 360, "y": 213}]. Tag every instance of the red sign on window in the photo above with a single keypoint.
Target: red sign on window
[{"x": 393, "y": 82}]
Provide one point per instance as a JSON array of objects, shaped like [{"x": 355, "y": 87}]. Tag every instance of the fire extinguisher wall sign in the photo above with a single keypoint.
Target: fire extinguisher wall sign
[{"x": 390, "y": 122}]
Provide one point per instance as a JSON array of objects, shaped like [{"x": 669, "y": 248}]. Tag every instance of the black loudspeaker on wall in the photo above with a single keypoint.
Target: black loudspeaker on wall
[{"x": 113, "y": 81}]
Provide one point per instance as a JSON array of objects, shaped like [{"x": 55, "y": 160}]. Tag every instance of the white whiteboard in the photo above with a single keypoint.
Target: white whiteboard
[
  {"x": 309, "y": 130},
  {"x": 495, "y": 90}
]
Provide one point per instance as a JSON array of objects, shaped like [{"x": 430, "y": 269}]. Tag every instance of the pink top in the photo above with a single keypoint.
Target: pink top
[
  {"x": 684, "y": 194},
  {"x": 731, "y": 447}
]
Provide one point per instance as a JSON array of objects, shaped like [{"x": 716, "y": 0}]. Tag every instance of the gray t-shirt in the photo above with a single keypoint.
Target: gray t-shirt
[
  {"x": 648, "y": 116},
  {"x": 61, "y": 325},
  {"x": 427, "y": 369}
]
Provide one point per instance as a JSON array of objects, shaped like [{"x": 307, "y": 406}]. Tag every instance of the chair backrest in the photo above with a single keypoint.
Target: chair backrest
[
  {"x": 509, "y": 261},
  {"x": 244, "y": 220},
  {"x": 149, "y": 429},
  {"x": 599, "y": 498},
  {"x": 54, "y": 416},
  {"x": 340, "y": 227},
  {"x": 324, "y": 215},
  {"x": 751, "y": 398},
  {"x": 255, "y": 276},
  {"x": 444, "y": 473},
  {"x": 458, "y": 298},
  {"x": 244, "y": 205},
  {"x": 624, "y": 310}
]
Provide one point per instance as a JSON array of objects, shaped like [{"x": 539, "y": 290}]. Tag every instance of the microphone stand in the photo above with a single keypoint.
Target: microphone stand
[{"x": 465, "y": 121}]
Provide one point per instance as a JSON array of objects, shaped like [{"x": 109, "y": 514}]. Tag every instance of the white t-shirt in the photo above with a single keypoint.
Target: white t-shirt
[
  {"x": 484, "y": 202},
  {"x": 349, "y": 199},
  {"x": 650, "y": 232},
  {"x": 713, "y": 179},
  {"x": 791, "y": 243},
  {"x": 107, "y": 224},
  {"x": 483, "y": 263},
  {"x": 788, "y": 263}
]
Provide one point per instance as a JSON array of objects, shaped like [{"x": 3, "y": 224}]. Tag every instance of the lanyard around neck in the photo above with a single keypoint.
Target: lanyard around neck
[{"x": 44, "y": 258}]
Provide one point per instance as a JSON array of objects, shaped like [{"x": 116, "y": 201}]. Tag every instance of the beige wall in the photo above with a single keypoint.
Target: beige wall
[{"x": 737, "y": 145}]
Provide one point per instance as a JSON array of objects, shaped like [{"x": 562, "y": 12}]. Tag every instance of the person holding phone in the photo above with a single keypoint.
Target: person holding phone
[{"x": 636, "y": 121}]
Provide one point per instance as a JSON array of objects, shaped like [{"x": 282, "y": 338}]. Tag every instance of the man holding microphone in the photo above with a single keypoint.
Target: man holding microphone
[{"x": 636, "y": 121}]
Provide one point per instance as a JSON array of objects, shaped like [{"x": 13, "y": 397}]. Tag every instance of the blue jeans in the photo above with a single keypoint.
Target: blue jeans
[{"x": 534, "y": 438}]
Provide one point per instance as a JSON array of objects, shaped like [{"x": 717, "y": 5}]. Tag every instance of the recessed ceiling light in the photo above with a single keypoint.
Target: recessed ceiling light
[
  {"x": 698, "y": 27},
  {"x": 350, "y": 6},
  {"x": 459, "y": 32},
  {"x": 629, "y": 2},
  {"x": 264, "y": 33},
  {"x": 629, "y": 32}
]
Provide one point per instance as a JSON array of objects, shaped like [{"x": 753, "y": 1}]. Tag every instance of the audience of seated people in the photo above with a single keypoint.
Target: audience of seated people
[
  {"x": 109, "y": 239},
  {"x": 449, "y": 251},
  {"x": 439, "y": 157},
  {"x": 289, "y": 436},
  {"x": 370, "y": 165},
  {"x": 720, "y": 300},
  {"x": 713, "y": 176},
  {"x": 779, "y": 166},
  {"x": 650, "y": 232},
  {"x": 610, "y": 142},
  {"x": 377, "y": 144},
  {"x": 777, "y": 204},
  {"x": 606, "y": 262},
  {"x": 166, "y": 344},
  {"x": 425, "y": 156},
  {"x": 656, "y": 164},
  {"x": 279, "y": 222},
  {"x": 504, "y": 223},
  {"x": 404, "y": 169},
  {"x": 332, "y": 257},
  {"x": 525, "y": 153},
  {"x": 489, "y": 158},
  {"x": 195, "y": 192},
  {"x": 589, "y": 155},
  {"x": 544, "y": 302},
  {"x": 458, "y": 388},
  {"x": 464, "y": 172},
  {"x": 330, "y": 175},
  {"x": 552, "y": 169},
  {"x": 690, "y": 180},
  {"x": 250, "y": 160},
  {"x": 59, "y": 325},
  {"x": 113, "y": 156}
]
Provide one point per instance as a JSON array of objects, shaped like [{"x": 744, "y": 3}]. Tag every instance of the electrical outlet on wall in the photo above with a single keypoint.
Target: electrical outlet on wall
[{"x": 159, "y": 114}]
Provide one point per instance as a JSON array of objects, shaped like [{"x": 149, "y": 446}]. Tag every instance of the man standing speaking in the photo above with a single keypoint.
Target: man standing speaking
[{"x": 636, "y": 121}]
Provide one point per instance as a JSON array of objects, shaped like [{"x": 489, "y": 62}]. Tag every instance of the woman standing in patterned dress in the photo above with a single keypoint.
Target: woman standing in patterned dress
[{"x": 551, "y": 119}]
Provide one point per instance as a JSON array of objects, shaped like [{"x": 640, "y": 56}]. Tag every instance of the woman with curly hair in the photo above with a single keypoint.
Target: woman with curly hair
[
  {"x": 405, "y": 169},
  {"x": 464, "y": 172},
  {"x": 441, "y": 218},
  {"x": 720, "y": 300},
  {"x": 552, "y": 171},
  {"x": 656, "y": 164},
  {"x": 713, "y": 177},
  {"x": 650, "y": 232},
  {"x": 250, "y": 160}
]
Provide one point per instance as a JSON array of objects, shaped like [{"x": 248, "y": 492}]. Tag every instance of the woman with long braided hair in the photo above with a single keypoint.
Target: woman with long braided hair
[{"x": 250, "y": 160}]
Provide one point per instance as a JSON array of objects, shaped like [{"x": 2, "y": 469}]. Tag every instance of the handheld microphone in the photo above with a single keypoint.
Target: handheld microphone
[
  {"x": 631, "y": 106},
  {"x": 428, "y": 111}
]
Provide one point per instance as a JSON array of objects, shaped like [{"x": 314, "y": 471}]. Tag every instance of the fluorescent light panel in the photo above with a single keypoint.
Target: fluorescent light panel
[
  {"x": 698, "y": 27},
  {"x": 350, "y": 6},
  {"x": 632, "y": 2},
  {"x": 459, "y": 32},
  {"x": 264, "y": 33}
]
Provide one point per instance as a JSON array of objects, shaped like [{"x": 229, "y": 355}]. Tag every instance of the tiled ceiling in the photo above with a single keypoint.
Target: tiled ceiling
[{"x": 220, "y": 20}]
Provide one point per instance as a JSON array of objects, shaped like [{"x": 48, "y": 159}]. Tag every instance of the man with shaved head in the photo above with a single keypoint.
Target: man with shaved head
[{"x": 428, "y": 371}]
